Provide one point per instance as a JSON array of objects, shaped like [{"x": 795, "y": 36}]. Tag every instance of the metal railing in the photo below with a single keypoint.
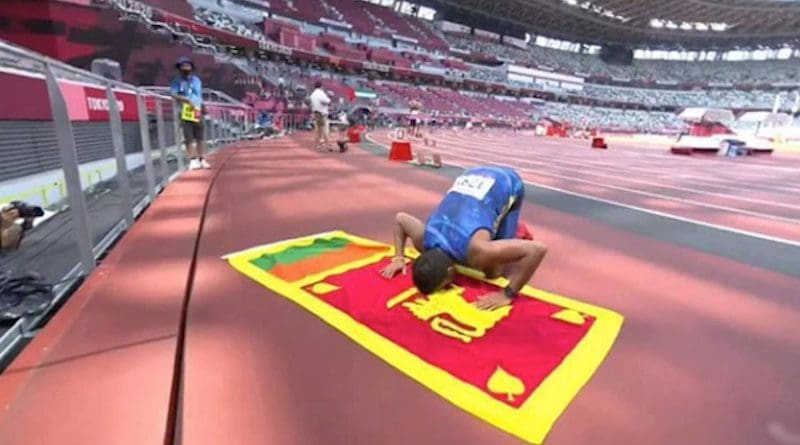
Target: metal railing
[{"x": 117, "y": 146}]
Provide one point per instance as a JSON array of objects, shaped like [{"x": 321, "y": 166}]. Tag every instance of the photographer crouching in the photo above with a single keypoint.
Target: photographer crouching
[
  {"x": 16, "y": 219},
  {"x": 21, "y": 293},
  {"x": 341, "y": 121}
]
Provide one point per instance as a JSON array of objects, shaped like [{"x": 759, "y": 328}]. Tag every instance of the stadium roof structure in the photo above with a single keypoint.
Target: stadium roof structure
[{"x": 687, "y": 24}]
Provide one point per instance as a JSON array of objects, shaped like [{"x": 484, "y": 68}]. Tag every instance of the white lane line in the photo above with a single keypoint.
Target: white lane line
[
  {"x": 559, "y": 147},
  {"x": 564, "y": 157},
  {"x": 723, "y": 178},
  {"x": 639, "y": 209},
  {"x": 524, "y": 167},
  {"x": 575, "y": 143},
  {"x": 783, "y": 434},
  {"x": 618, "y": 176},
  {"x": 569, "y": 155},
  {"x": 761, "y": 167}
]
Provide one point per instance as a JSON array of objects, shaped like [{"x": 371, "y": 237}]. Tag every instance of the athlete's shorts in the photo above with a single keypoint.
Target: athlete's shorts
[
  {"x": 507, "y": 229},
  {"x": 487, "y": 198}
]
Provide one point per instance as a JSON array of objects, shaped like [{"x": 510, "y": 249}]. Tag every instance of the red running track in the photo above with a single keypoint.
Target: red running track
[
  {"x": 708, "y": 354},
  {"x": 757, "y": 196}
]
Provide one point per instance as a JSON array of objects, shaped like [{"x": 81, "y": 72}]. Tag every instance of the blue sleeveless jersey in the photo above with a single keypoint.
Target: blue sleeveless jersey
[{"x": 478, "y": 199}]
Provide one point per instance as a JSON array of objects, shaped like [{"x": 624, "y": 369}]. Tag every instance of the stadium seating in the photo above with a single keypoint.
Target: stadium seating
[
  {"x": 642, "y": 70},
  {"x": 387, "y": 57},
  {"x": 337, "y": 46},
  {"x": 543, "y": 57},
  {"x": 356, "y": 16},
  {"x": 284, "y": 84},
  {"x": 587, "y": 117},
  {"x": 178, "y": 7}
]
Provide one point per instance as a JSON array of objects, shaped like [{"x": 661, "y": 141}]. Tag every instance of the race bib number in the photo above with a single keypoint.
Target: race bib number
[
  {"x": 190, "y": 113},
  {"x": 473, "y": 185}
]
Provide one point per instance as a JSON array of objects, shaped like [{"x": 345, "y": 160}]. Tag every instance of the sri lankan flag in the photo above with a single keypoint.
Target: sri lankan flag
[{"x": 516, "y": 367}]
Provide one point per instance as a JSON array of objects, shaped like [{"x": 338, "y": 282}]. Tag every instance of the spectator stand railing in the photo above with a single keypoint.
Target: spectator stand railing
[
  {"x": 94, "y": 153},
  {"x": 226, "y": 119}
]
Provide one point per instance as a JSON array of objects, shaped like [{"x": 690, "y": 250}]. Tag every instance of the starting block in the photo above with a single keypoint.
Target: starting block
[
  {"x": 400, "y": 151},
  {"x": 600, "y": 143},
  {"x": 354, "y": 133},
  {"x": 427, "y": 158}
]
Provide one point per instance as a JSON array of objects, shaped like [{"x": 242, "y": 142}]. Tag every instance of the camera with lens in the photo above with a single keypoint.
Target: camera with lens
[{"x": 27, "y": 212}]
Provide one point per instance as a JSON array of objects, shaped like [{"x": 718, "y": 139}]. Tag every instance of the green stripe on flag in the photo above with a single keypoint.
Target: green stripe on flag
[{"x": 298, "y": 253}]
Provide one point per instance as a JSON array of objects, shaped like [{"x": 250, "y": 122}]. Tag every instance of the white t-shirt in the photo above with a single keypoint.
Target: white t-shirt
[{"x": 319, "y": 101}]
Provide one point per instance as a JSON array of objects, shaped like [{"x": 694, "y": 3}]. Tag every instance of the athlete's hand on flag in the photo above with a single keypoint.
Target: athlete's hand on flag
[
  {"x": 492, "y": 301},
  {"x": 397, "y": 265}
]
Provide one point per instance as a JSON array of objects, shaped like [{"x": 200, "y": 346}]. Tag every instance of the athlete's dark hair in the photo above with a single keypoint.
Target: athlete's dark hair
[{"x": 430, "y": 270}]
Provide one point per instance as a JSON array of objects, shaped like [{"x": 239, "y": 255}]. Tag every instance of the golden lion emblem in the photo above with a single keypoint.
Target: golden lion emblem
[{"x": 451, "y": 315}]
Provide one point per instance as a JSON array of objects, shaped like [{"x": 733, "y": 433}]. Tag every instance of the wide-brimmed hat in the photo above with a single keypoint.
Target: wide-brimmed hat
[{"x": 182, "y": 61}]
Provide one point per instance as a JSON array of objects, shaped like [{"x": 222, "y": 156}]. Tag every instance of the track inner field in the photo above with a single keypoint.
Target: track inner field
[
  {"x": 708, "y": 354},
  {"x": 755, "y": 196},
  {"x": 709, "y": 347}
]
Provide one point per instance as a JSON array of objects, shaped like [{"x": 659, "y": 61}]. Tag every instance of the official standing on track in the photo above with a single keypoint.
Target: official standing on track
[
  {"x": 320, "y": 108},
  {"x": 187, "y": 89}
]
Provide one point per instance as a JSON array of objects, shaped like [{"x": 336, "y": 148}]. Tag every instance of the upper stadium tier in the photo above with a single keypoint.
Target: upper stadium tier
[
  {"x": 676, "y": 29},
  {"x": 686, "y": 24},
  {"x": 269, "y": 52}
]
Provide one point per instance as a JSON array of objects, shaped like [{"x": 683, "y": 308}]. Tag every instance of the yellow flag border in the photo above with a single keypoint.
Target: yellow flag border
[{"x": 531, "y": 422}]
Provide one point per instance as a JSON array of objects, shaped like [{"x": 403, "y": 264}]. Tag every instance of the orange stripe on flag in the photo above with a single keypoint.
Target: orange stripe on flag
[{"x": 310, "y": 266}]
